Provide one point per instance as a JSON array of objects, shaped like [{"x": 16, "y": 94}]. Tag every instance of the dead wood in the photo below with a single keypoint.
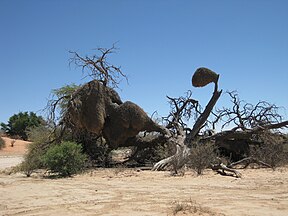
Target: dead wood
[
  {"x": 183, "y": 152},
  {"x": 247, "y": 161},
  {"x": 238, "y": 143},
  {"x": 179, "y": 159},
  {"x": 98, "y": 67},
  {"x": 246, "y": 116},
  {"x": 181, "y": 108},
  {"x": 221, "y": 168},
  {"x": 231, "y": 134},
  {"x": 204, "y": 116}
]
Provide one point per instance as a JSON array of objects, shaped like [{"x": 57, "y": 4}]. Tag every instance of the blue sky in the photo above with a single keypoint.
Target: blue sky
[{"x": 161, "y": 43}]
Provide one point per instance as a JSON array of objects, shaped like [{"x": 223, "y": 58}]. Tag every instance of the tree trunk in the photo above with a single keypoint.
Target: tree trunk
[{"x": 180, "y": 158}]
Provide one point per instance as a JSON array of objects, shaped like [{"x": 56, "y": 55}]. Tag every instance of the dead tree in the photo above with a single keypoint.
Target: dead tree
[
  {"x": 245, "y": 116},
  {"x": 98, "y": 67},
  {"x": 258, "y": 145},
  {"x": 201, "y": 77},
  {"x": 248, "y": 120},
  {"x": 96, "y": 108}
]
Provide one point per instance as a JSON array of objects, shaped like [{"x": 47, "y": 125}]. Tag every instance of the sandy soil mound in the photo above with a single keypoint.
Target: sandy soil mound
[
  {"x": 19, "y": 147},
  {"x": 11, "y": 156}
]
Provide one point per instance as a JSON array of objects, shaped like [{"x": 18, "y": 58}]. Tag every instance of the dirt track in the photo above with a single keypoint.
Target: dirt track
[{"x": 128, "y": 192}]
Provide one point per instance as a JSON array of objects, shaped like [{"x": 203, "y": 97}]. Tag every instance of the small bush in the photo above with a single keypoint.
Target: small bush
[
  {"x": 38, "y": 134},
  {"x": 272, "y": 150},
  {"x": 36, "y": 150},
  {"x": 190, "y": 207},
  {"x": 64, "y": 159},
  {"x": 33, "y": 158},
  {"x": 2, "y": 143},
  {"x": 202, "y": 155}
]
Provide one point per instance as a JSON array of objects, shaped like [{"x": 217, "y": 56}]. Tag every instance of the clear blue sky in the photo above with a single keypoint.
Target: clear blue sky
[{"x": 161, "y": 43}]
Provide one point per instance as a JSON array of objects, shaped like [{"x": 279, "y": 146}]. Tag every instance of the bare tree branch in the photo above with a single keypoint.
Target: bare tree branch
[
  {"x": 182, "y": 107},
  {"x": 245, "y": 115},
  {"x": 97, "y": 67}
]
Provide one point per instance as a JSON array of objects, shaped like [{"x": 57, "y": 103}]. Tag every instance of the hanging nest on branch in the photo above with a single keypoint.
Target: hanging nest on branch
[{"x": 204, "y": 76}]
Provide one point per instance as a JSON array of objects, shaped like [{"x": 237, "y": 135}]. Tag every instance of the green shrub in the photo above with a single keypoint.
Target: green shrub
[
  {"x": 2, "y": 143},
  {"x": 33, "y": 158},
  {"x": 64, "y": 159},
  {"x": 18, "y": 123},
  {"x": 38, "y": 134}
]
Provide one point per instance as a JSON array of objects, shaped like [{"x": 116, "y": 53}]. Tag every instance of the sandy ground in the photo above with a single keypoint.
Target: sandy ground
[
  {"x": 11, "y": 156},
  {"x": 128, "y": 192}
]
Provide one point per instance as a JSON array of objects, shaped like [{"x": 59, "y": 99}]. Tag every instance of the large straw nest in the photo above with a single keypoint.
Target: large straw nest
[
  {"x": 88, "y": 107},
  {"x": 203, "y": 76},
  {"x": 125, "y": 121}
]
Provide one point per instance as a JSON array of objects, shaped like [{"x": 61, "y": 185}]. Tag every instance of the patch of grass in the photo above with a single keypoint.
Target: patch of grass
[
  {"x": 2, "y": 143},
  {"x": 190, "y": 207}
]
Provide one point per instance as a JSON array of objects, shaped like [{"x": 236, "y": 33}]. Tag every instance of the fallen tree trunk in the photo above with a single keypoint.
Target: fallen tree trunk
[
  {"x": 221, "y": 168},
  {"x": 248, "y": 161},
  {"x": 246, "y": 134}
]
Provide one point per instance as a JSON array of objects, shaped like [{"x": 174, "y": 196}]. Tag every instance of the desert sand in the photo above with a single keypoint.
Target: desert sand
[
  {"x": 134, "y": 192},
  {"x": 11, "y": 156}
]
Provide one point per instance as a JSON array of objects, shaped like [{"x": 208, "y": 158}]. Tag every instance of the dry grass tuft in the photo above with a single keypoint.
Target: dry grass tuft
[{"x": 190, "y": 207}]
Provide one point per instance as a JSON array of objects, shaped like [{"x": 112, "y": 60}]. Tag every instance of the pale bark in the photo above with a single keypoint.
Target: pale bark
[{"x": 180, "y": 158}]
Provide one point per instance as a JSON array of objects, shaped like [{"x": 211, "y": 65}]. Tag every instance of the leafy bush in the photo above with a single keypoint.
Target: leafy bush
[
  {"x": 64, "y": 159},
  {"x": 18, "y": 124},
  {"x": 65, "y": 92},
  {"x": 38, "y": 134},
  {"x": 33, "y": 158},
  {"x": 202, "y": 155},
  {"x": 2, "y": 143}
]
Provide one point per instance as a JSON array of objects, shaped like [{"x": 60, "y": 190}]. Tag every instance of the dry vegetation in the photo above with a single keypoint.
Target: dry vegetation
[
  {"x": 94, "y": 122},
  {"x": 122, "y": 191}
]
